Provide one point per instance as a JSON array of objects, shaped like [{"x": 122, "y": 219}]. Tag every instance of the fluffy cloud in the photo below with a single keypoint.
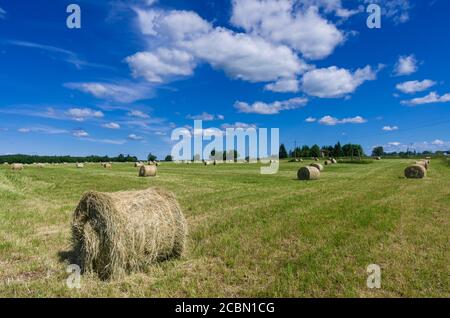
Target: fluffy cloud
[
  {"x": 81, "y": 114},
  {"x": 390, "y": 128},
  {"x": 282, "y": 22},
  {"x": 332, "y": 121},
  {"x": 270, "y": 108},
  {"x": 411, "y": 87},
  {"x": 394, "y": 143},
  {"x": 433, "y": 97},
  {"x": 124, "y": 92},
  {"x": 406, "y": 65},
  {"x": 436, "y": 145},
  {"x": 333, "y": 82},
  {"x": 185, "y": 40},
  {"x": 438, "y": 142},
  {"x": 283, "y": 86},
  {"x": 80, "y": 133},
  {"x": 206, "y": 117},
  {"x": 311, "y": 120},
  {"x": 135, "y": 137},
  {"x": 111, "y": 125},
  {"x": 161, "y": 65},
  {"x": 138, "y": 113}
]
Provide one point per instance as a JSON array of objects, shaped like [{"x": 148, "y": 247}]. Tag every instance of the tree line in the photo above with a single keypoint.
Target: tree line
[
  {"x": 336, "y": 151},
  {"x": 29, "y": 159}
]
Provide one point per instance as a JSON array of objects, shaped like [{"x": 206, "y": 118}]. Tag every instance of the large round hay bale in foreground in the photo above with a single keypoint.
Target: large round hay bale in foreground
[
  {"x": 308, "y": 173},
  {"x": 422, "y": 163},
  {"x": 317, "y": 165},
  {"x": 122, "y": 232},
  {"x": 415, "y": 172},
  {"x": 147, "y": 171}
]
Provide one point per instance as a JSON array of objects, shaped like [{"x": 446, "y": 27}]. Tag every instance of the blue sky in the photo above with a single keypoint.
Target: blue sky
[{"x": 138, "y": 69}]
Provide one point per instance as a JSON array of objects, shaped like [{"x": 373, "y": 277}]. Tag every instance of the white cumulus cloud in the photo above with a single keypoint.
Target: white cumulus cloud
[
  {"x": 431, "y": 98},
  {"x": 333, "y": 82},
  {"x": 390, "y": 128},
  {"x": 81, "y": 114},
  {"x": 406, "y": 65},
  {"x": 270, "y": 108},
  {"x": 111, "y": 125},
  {"x": 301, "y": 28},
  {"x": 332, "y": 121},
  {"x": 411, "y": 87}
]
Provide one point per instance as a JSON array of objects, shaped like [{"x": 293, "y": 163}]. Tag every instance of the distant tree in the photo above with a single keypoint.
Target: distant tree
[
  {"x": 378, "y": 151},
  {"x": 305, "y": 151},
  {"x": 151, "y": 157},
  {"x": 337, "y": 150},
  {"x": 315, "y": 151},
  {"x": 283, "y": 153},
  {"x": 168, "y": 158}
]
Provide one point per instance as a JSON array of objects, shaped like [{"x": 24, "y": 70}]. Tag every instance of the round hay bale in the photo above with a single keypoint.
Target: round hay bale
[
  {"x": 316, "y": 159},
  {"x": 147, "y": 171},
  {"x": 40, "y": 165},
  {"x": 122, "y": 232},
  {"x": 327, "y": 162},
  {"x": 334, "y": 161},
  {"x": 138, "y": 164},
  {"x": 107, "y": 165},
  {"x": 80, "y": 165},
  {"x": 422, "y": 163},
  {"x": 415, "y": 172},
  {"x": 308, "y": 173},
  {"x": 317, "y": 165},
  {"x": 17, "y": 166},
  {"x": 206, "y": 163},
  {"x": 5, "y": 163}
]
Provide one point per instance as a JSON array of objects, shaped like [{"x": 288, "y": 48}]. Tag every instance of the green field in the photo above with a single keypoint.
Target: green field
[{"x": 249, "y": 234}]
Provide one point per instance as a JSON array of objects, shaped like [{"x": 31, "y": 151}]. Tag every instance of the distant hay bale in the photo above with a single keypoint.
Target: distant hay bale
[
  {"x": 415, "y": 172},
  {"x": 147, "y": 171},
  {"x": 334, "y": 161},
  {"x": 80, "y": 165},
  {"x": 122, "y": 232},
  {"x": 317, "y": 165},
  {"x": 40, "y": 165},
  {"x": 138, "y": 164},
  {"x": 5, "y": 163},
  {"x": 327, "y": 162},
  {"x": 308, "y": 173},
  {"x": 207, "y": 163},
  {"x": 316, "y": 159},
  {"x": 17, "y": 166},
  {"x": 422, "y": 163},
  {"x": 107, "y": 165},
  {"x": 378, "y": 158}
]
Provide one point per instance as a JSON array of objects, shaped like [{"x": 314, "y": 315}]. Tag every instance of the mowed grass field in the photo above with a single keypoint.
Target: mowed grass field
[{"x": 250, "y": 235}]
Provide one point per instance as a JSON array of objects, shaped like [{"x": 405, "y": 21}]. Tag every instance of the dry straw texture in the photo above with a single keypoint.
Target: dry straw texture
[
  {"x": 147, "y": 171},
  {"x": 415, "y": 172},
  {"x": 328, "y": 162},
  {"x": 118, "y": 233},
  {"x": 17, "y": 166},
  {"x": 80, "y": 165},
  {"x": 308, "y": 173},
  {"x": 317, "y": 165},
  {"x": 422, "y": 163},
  {"x": 106, "y": 165}
]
